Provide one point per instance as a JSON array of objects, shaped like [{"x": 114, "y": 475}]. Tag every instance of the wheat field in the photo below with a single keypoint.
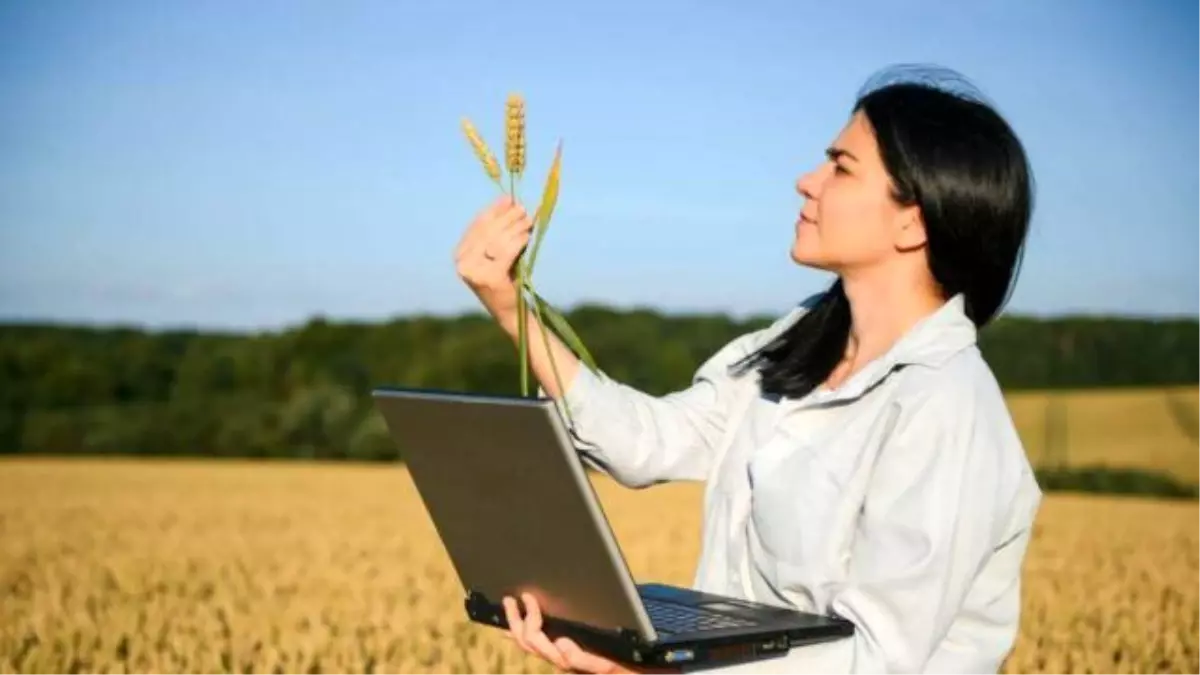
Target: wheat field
[
  {"x": 1154, "y": 429},
  {"x": 194, "y": 566}
]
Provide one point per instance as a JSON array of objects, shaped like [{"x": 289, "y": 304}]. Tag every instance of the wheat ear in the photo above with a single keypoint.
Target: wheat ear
[
  {"x": 490, "y": 165},
  {"x": 514, "y": 145}
]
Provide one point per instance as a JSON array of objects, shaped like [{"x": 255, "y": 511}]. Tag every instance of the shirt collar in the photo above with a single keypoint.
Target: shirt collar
[
  {"x": 937, "y": 337},
  {"x": 930, "y": 342}
]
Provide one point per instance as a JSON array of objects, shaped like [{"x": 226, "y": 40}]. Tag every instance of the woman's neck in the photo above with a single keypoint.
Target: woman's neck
[{"x": 882, "y": 310}]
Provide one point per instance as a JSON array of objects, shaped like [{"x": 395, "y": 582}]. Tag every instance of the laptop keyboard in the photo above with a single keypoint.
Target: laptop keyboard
[{"x": 670, "y": 617}]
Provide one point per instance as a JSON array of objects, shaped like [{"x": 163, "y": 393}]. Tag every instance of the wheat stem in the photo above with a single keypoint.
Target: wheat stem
[
  {"x": 522, "y": 337},
  {"x": 562, "y": 392},
  {"x": 514, "y": 155}
]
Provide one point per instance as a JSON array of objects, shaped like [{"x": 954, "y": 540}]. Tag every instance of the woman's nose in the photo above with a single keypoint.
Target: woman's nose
[{"x": 808, "y": 185}]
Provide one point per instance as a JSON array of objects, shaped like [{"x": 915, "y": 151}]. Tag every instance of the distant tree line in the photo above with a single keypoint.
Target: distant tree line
[{"x": 304, "y": 391}]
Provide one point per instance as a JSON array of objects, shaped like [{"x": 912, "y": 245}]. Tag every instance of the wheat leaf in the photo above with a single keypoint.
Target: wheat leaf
[
  {"x": 537, "y": 309},
  {"x": 546, "y": 208},
  {"x": 560, "y": 325}
]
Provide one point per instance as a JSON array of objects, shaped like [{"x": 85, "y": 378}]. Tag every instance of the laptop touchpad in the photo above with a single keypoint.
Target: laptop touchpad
[
  {"x": 722, "y": 606},
  {"x": 734, "y": 608}
]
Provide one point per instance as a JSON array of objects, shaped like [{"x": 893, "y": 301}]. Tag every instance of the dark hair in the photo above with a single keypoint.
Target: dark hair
[{"x": 952, "y": 155}]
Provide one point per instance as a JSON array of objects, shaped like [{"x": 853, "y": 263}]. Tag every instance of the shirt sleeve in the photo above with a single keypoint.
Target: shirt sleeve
[
  {"x": 940, "y": 497},
  {"x": 640, "y": 439}
]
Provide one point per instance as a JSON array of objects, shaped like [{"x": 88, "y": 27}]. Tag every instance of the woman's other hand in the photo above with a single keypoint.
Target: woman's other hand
[{"x": 563, "y": 652}]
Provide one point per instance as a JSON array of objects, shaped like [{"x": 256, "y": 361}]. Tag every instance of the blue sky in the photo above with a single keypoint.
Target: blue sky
[{"x": 250, "y": 164}]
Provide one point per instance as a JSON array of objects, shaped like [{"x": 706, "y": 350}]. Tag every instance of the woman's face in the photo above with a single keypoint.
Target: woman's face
[{"x": 849, "y": 220}]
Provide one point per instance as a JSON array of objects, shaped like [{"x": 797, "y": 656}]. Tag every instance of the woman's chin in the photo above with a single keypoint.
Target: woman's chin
[{"x": 807, "y": 258}]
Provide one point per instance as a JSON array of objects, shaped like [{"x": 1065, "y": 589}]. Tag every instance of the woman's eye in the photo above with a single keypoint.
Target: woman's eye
[{"x": 838, "y": 168}]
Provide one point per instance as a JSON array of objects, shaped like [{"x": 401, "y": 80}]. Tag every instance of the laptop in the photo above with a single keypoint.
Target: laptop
[{"x": 510, "y": 498}]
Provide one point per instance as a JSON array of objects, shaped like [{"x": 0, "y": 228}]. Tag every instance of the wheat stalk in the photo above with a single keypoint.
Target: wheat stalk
[{"x": 514, "y": 155}]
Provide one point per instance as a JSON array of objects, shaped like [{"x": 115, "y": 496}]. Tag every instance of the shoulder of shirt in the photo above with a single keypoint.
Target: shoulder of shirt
[
  {"x": 961, "y": 398},
  {"x": 959, "y": 390},
  {"x": 961, "y": 381}
]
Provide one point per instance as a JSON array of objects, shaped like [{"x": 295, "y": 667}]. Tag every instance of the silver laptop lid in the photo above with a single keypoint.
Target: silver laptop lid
[{"x": 513, "y": 505}]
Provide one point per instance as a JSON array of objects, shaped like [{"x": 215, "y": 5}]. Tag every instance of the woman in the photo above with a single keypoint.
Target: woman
[{"x": 858, "y": 453}]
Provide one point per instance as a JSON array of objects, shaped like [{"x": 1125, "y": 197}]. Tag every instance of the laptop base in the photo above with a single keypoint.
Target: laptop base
[{"x": 705, "y": 648}]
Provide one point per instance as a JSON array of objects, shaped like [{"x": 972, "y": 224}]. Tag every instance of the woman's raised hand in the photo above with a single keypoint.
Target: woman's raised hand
[{"x": 487, "y": 251}]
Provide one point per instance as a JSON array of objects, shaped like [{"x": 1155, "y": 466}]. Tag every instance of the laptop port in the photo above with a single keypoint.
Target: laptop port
[{"x": 677, "y": 655}]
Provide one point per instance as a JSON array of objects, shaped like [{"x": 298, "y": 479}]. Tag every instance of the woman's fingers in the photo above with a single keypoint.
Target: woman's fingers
[
  {"x": 516, "y": 627},
  {"x": 522, "y": 223},
  {"x": 489, "y": 242},
  {"x": 507, "y": 249},
  {"x": 527, "y": 632},
  {"x": 585, "y": 662},
  {"x": 482, "y": 220},
  {"x": 487, "y": 225},
  {"x": 509, "y": 217},
  {"x": 534, "y": 637}
]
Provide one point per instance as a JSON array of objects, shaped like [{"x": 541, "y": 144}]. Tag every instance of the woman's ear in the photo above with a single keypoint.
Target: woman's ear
[{"x": 910, "y": 229}]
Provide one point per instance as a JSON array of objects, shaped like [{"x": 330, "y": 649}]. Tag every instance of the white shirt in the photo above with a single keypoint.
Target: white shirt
[{"x": 902, "y": 501}]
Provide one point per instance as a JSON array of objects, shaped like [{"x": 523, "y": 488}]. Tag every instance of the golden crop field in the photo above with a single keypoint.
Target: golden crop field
[
  {"x": 1154, "y": 429},
  {"x": 223, "y": 566}
]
